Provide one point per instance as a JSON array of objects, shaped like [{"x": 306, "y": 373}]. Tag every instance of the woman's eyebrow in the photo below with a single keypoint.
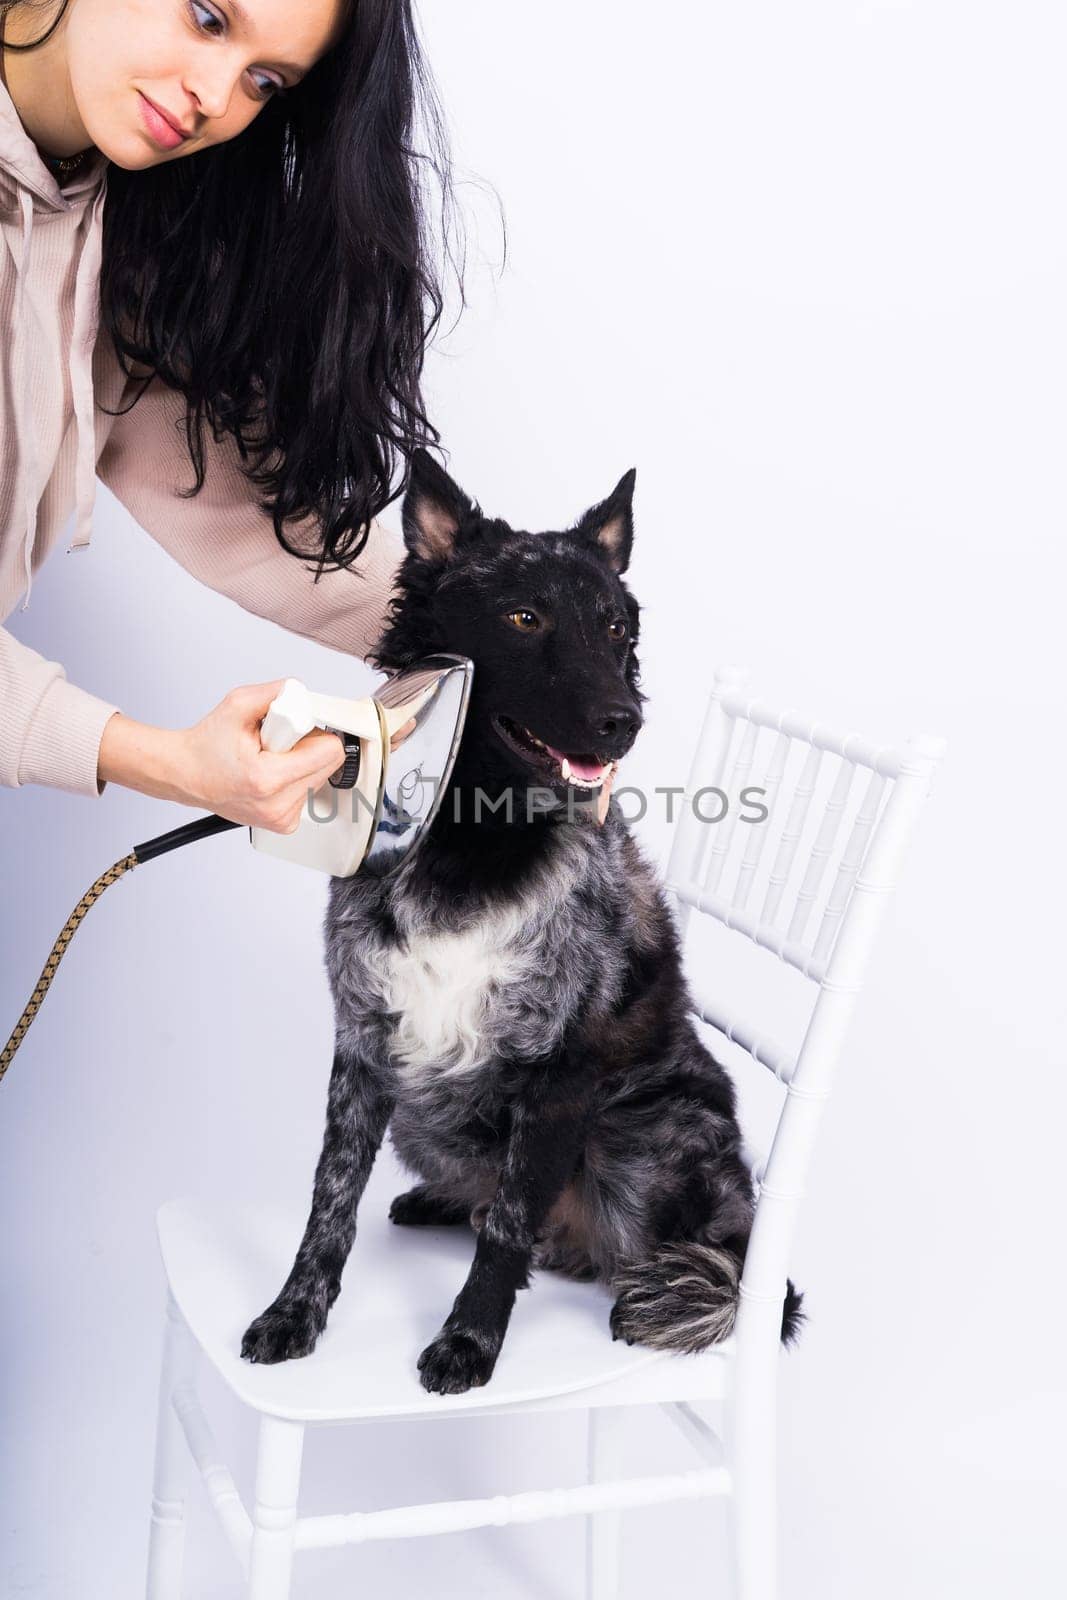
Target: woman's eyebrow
[{"x": 249, "y": 27}]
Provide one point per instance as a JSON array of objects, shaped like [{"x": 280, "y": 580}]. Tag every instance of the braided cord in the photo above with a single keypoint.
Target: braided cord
[{"x": 58, "y": 951}]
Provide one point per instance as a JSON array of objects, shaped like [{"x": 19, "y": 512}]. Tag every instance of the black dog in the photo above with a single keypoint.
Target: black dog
[{"x": 510, "y": 1003}]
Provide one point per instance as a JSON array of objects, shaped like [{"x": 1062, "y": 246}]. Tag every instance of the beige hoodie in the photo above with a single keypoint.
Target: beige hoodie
[{"x": 56, "y": 375}]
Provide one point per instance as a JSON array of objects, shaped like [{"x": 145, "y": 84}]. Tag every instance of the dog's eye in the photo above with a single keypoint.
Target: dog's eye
[
  {"x": 617, "y": 629},
  {"x": 526, "y": 620}
]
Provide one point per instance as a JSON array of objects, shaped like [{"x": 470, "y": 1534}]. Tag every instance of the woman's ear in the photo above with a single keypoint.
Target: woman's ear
[
  {"x": 433, "y": 509},
  {"x": 609, "y": 526}
]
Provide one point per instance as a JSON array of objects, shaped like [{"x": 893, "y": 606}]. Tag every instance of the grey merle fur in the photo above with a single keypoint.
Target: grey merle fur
[{"x": 510, "y": 1003}]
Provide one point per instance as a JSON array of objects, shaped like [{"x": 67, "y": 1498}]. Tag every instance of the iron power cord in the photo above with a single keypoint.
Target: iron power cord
[{"x": 203, "y": 828}]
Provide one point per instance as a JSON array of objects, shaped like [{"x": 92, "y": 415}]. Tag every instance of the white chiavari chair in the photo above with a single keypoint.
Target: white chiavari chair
[{"x": 809, "y": 885}]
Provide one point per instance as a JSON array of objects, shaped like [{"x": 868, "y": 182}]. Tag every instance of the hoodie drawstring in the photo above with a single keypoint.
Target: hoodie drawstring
[
  {"x": 83, "y": 341},
  {"x": 25, "y": 428}
]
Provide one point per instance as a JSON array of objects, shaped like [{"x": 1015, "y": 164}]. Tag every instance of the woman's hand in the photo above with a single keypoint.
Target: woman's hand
[
  {"x": 219, "y": 763},
  {"x": 240, "y": 780}
]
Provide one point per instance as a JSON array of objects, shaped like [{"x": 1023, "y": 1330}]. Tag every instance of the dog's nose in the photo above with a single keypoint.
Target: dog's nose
[{"x": 617, "y": 729}]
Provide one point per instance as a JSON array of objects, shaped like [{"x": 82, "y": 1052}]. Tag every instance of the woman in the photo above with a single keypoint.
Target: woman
[{"x": 214, "y": 295}]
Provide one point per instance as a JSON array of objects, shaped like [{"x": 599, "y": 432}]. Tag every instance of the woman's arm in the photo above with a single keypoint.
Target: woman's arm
[{"x": 53, "y": 733}]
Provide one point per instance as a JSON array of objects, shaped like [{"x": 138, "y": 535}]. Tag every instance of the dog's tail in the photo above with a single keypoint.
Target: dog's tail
[
  {"x": 793, "y": 1313},
  {"x": 685, "y": 1297}
]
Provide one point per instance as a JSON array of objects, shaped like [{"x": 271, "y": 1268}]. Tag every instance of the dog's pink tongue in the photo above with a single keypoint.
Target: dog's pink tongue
[{"x": 588, "y": 771}]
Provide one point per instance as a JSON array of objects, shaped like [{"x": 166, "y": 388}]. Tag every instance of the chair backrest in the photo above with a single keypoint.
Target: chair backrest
[{"x": 808, "y": 882}]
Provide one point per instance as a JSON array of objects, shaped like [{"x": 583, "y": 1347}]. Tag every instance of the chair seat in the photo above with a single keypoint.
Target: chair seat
[{"x": 225, "y": 1267}]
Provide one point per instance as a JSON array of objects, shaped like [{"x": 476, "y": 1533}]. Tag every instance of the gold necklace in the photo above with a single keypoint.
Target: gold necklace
[{"x": 66, "y": 165}]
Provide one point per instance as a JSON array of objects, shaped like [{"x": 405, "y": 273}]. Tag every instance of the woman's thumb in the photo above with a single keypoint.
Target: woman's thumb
[
  {"x": 316, "y": 753},
  {"x": 253, "y": 700}
]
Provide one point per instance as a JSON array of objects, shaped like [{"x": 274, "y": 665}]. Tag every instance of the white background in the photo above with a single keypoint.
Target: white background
[{"x": 803, "y": 267}]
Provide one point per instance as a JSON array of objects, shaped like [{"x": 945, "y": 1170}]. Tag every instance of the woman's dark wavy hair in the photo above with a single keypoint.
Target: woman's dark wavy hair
[{"x": 283, "y": 281}]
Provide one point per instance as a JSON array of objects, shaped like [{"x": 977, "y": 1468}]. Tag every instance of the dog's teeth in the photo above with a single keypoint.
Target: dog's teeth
[{"x": 576, "y": 782}]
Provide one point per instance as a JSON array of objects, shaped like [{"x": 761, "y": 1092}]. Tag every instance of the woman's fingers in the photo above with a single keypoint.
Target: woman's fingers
[
  {"x": 225, "y": 767},
  {"x": 315, "y": 756},
  {"x": 402, "y": 733},
  {"x": 252, "y": 700},
  {"x": 292, "y": 776}
]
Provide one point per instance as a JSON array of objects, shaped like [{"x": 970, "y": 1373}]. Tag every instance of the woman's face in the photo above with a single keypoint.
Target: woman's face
[{"x": 141, "y": 69}]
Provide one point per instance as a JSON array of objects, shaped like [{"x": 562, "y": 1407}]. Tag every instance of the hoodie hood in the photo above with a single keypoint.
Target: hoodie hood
[{"x": 29, "y": 195}]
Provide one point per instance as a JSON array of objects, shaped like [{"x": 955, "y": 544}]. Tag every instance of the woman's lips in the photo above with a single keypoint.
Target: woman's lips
[{"x": 163, "y": 132}]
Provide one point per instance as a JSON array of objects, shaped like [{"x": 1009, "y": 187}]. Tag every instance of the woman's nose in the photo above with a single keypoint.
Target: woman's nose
[{"x": 213, "y": 90}]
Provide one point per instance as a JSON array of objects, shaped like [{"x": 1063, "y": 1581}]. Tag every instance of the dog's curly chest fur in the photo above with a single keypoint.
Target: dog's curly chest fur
[
  {"x": 448, "y": 992},
  {"x": 456, "y": 995}
]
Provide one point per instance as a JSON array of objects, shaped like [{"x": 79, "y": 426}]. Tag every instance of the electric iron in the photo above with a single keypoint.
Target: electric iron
[{"x": 400, "y": 747}]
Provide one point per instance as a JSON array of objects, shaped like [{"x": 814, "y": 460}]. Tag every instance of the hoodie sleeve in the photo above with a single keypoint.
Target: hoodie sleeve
[
  {"x": 50, "y": 730},
  {"x": 222, "y": 536}
]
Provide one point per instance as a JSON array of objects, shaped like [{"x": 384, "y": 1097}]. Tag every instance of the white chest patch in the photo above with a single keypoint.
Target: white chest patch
[{"x": 444, "y": 987}]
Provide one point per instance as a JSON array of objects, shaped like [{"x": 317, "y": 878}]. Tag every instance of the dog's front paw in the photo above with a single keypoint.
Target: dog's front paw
[
  {"x": 420, "y": 1208},
  {"x": 282, "y": 1332},
  {"x": 457, "y": 1361}
]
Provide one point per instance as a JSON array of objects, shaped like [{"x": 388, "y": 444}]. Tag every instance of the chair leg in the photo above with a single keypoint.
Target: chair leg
[
  {"x": 753, "y": 1447},
  {"x": 603, "y": 1528},
  {"x": 166, "y": 1538},
  {"x": 274, "y": 1520}
]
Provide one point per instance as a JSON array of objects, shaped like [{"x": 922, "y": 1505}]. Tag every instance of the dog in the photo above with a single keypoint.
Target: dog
[{"x": 510, "y": 1001}]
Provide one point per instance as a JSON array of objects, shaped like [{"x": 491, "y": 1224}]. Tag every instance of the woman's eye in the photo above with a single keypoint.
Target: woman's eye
[
  {"x": 206, "y": 20},
  {"x": 211, "y": 23},
  {"x": 617, "y": 629},
  {"x": 526, "y": 620},
  {"x": 268, "y": 88}
]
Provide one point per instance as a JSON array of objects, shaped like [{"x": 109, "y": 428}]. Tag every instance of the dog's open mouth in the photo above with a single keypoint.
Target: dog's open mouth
[{"x": 583, "y": 770}]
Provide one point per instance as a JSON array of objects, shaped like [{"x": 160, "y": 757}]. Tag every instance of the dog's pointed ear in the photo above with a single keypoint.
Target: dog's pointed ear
[
  {"x": 609, "y": 526},
  {"x": 433, "y": 509}
]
